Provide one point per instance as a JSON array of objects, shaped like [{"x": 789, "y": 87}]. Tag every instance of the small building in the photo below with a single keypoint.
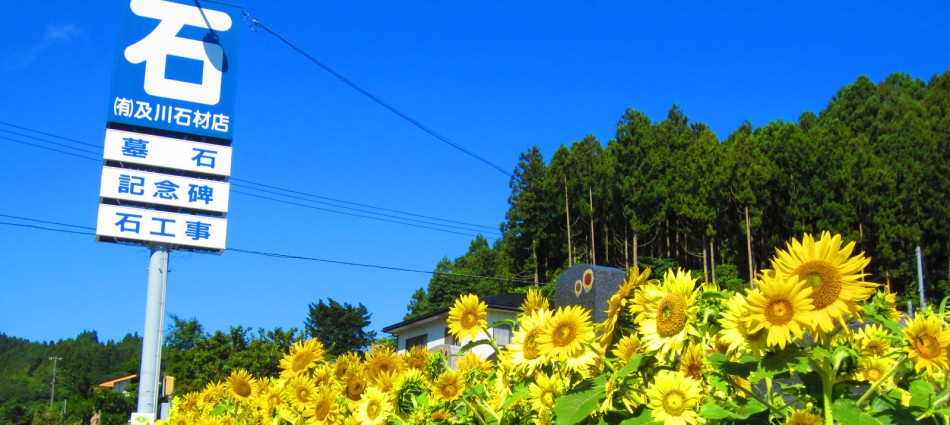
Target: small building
[
  {"x": 118, "y": 385},
  {"x": 432, "y": 331}
]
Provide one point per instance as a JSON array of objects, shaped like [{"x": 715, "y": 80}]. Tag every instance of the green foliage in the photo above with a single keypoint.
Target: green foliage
[
  {"x": 872, "y": 166},
  {"x": 340, "y": 327},
  {"x": 26, "y": 373},
  {"x": 195, "y": 357}
]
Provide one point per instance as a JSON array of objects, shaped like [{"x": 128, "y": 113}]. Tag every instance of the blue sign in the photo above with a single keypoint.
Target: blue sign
[{"x": 174, "y": 67}]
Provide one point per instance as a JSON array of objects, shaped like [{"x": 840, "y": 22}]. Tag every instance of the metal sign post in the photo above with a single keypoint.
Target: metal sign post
[
  {"x": 152, "y": 339},
  {"x": 167, "y": 152}
]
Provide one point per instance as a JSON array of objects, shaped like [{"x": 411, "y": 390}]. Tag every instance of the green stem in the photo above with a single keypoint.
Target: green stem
[
  {"x": 827, "y": 389},
  {"x": 884, "y": 377},
  {"x": 475, "y": 413},
  {"x": 748, "y": 393},
  {"x": 491, "y": 341}
]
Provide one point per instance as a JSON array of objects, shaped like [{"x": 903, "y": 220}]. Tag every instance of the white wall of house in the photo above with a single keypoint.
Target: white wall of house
[{"x": 435, "y": 329}]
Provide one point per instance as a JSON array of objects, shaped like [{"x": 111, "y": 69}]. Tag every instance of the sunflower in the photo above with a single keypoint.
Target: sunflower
[
  {"x": 872, "y": 369},
  {"x": 384, "y": 381},
  {"x": 185, "y": 404},
  {"x": 272, "y": 397},
  {"x": 302, "y": 356},
  {"x": 440, "y": 415},
  {"x": 588, "y": 280},
  {"x": 211, "y": 394},
  {"x": 578, "y": 287},
  {"x": 406, "y": 387},
  {"x": 346, "y": 362},
  {"x": 626, "y": 348},
  {"x": 735, "y": 329},
  {"x": 242, "y": 387},
  {"x": 467, "y": 317},
  {"x": 803, "y": 417},
  {"x": 381, "y": 358},
  {"x": 831, "y": 272},
  {"x": 300, "y": 389},
  {"x": 524, "y": 352},
  {"x": 781, "y": 307},
  {"x": 692, "y": 363},
  {"x": 374, "y": 407},
  {"x": 669, "y": 313},
  {"x": 534, "y": 300},
  {"x": 322, "y": 375},
  {"x": 471, "y": 361},
  {"x": 544, "y": 391},
  {"x": 417, "y": 358},
  {"x": 927, "y": 343},
  {"x": 674, "y": 398},
  {"x": 873, "y": 340},
  {"x": 448, "y": 387},
  {"x": 323, "y": 408},
  {"x": 617, "y": 303},
  {"x": 355, "y": 384},
  {"x": 566, "y": 335}
]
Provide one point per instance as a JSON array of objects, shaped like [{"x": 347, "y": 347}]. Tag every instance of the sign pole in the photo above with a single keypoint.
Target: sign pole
[{"x": 152, "y": 338}]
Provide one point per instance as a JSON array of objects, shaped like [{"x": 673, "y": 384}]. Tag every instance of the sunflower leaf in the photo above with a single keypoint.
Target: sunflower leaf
[
  {"x": 631, "y": 366},
  {"x": 643, "y": 417},
  {"x": 577, "y": 405},
  {"x": 847, "y": 411},
  {"x": 511, "y": 323},
  {"x": 520, "y": 393},
  {"x": 922, "y": 394},
  {"x": 778, "y": 362}
]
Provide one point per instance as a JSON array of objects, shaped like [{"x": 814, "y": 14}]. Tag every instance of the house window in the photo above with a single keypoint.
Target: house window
[
  {"x": 449, "y": 338},
  {"x": 502, "y": 335},
  {"x": 417, "y": 341}
]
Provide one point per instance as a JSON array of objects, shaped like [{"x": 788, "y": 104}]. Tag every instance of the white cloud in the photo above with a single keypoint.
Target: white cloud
[{"x": 54, "y": 35}]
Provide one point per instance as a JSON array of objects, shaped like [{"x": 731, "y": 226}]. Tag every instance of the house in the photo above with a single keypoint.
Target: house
[
  {"x": 432, "y": 331},
  {"x": 118, "y": 385}
]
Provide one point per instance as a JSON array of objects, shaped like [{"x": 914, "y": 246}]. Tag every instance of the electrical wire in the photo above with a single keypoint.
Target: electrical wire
[
  {"x": 235, "y": 179},
  {"x": 391, "y": 108},
  {"x": 267, "y": 254},
  {"x": 477, "y": 231},
  {"x": 349, "y": 214},
  {"x": 350, "y": 208}
]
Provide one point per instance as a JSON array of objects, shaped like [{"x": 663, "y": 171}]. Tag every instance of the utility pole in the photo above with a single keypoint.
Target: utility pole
[{"x": 52, "y": 392}]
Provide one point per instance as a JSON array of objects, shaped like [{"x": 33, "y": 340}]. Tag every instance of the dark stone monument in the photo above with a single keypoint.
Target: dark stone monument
[{"x": 588, "y": 286}]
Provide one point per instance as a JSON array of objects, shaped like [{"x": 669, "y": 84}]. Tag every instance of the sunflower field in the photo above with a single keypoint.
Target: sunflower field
[{"x": 811, "y": 342}]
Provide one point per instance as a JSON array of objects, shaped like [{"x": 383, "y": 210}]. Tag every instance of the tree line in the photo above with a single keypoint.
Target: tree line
[
  {"x": 190, "y": 354},
  {"x": 873, "y": 166}
]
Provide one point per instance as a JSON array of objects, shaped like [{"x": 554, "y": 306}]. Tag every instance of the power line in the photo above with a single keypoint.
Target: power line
[
  {"x": 47, "y": 222},
  {"x": 349, "y": 214},
  {"x": 350, "y": 208},
  {"x": 361, "y": 205},
  {"x": 270, "y": 254},
  {"x": 51, "y": 135},
  {"x": 49, "y": 149},
  {"x": 54, "y": 143},
  {"x": 470, "y": 225},
  {"x": 393, "y": 109}
]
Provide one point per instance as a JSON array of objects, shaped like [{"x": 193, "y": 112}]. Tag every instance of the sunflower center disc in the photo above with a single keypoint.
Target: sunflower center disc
[
  {"x": 530, "y": 348},
  {"x": 671, "y": 315},
  {"x": 322, "y": 410},
  {"x": 824, "y": 279},
  {"x": 300, "y": 361},
  {"x": 674, "y": 403},
  {"x": 372, "y": 409},
  {"x": 875, "y": 347},
  {"x": 563, "y": 334},
  {"x": 448, "y": 391},
  {"x": 547, "y": 399},
  {"x": 779, "y": 312},
  {"x": 873, "y": 375},
  {"x": 469, "y": 320},
  {"x": 243, "y": 389},
  {"x": 927, "y": 346}
]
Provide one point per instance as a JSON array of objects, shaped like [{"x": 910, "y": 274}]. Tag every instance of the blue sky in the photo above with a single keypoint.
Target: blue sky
[{"x": 494, "y": 77}]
